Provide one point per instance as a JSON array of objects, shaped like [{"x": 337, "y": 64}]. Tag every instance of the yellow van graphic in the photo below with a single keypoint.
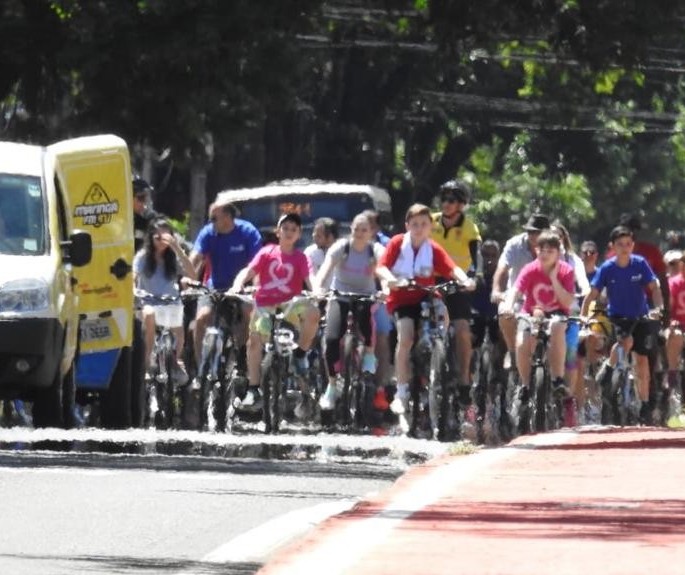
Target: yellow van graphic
[{"x": 96, "y": 209}]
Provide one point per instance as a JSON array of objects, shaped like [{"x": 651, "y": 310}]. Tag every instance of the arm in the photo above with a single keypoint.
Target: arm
[
  {"x": 476, "y": 260},
  {"x": 196, "y": 260},
  {"x": 324, "y": 271},
  {"x": 656, "y": 294},
  {"x": 244, "y": 276},
  {"x": 509, "y": 301},
  {"x": 589, "y": 298},
  {"x": 562, "y": 294},
  {"x": 499, "y": 282}
]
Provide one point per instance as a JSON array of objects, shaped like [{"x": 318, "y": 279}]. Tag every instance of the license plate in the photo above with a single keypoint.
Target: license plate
[{"x": 95, "y": 329}]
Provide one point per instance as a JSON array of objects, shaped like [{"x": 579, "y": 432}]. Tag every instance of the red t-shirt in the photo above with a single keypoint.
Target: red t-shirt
[
  {"x": 676, "y": 287},
  {"x": 537, "y": 290},
  {"x": 442, "y": 267}
]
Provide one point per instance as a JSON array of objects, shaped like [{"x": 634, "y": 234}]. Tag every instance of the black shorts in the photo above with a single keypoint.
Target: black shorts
[
  {"x": 458, "y": 305},
  {"x": 644, "y": 332},
  {"x": 481, "y": 323},
  {"x": 410, "y": 311}
]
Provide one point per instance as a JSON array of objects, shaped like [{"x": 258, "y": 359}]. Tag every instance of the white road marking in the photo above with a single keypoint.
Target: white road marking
[{"x": 341, "y": 550}]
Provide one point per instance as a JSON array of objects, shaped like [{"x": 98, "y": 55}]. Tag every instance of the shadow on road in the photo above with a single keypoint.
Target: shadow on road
[{"x": 130, "y": 565}]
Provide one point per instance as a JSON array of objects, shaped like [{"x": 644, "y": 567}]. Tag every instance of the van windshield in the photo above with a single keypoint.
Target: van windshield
[
  {"x": 264, "y": 212},
  {"x": 22, "y": 219}
]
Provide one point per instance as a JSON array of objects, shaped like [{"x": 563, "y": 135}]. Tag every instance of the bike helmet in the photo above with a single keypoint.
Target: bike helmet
[{"x": 457, "y": 189}]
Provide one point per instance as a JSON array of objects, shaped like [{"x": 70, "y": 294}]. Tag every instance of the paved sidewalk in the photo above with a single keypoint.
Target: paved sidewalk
[{"x": 603, "y": 501}]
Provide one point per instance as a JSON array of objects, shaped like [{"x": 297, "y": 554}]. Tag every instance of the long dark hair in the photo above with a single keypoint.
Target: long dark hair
[{"x": 156, "y": 227}]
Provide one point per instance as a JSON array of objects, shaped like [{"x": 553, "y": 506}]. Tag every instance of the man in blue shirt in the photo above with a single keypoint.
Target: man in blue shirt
[
  {"x": 223, "y": 247},
  {"x": 625, "y": 278}
]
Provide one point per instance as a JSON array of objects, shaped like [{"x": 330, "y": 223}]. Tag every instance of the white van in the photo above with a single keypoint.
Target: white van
[
  {"x": 39, "y": 316},
  {"x": 311, "y": 199}
]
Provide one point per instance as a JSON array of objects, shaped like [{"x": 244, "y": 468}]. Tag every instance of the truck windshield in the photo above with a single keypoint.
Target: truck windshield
[
  {"x": 22, "y": 220},
  {"x": 264, "y": 212}
]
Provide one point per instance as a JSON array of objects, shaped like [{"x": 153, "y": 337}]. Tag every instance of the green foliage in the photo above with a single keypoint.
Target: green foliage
[{"x": 509, "y": 187}]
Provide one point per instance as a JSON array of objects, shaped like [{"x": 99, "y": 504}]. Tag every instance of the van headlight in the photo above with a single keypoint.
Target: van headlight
[{"x": 24, "y": 295}]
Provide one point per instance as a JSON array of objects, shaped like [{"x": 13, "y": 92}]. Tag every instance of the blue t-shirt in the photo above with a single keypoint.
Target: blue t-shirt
[
  {"x": 625, "y": 286},
  {"x": 228, "y": 253}
]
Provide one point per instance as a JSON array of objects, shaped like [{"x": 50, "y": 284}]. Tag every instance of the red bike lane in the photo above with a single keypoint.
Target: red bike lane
[{"x": 607, "y": 501}]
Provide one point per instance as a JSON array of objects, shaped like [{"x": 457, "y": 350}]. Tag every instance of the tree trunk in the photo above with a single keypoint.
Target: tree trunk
[{"x": 198, "y": 197}]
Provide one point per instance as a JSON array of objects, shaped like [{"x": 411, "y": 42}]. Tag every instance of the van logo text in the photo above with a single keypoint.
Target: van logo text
[{"x": 96, "y": 209}]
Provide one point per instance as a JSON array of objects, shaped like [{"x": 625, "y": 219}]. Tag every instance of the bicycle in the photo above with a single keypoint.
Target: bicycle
[
  {"x": 434, "y": 381},
  {"x": 490, "y": 389},
  {"x": 162, "y": 398},
  {"x": 355, "y": 407},
  {"x": 544, "y": 410},
  {"x": 276, "y": 368},
  {"x": 217, "y": 373}
]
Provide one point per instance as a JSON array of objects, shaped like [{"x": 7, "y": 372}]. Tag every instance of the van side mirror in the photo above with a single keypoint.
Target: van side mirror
[{"x": 78, "y": 249}]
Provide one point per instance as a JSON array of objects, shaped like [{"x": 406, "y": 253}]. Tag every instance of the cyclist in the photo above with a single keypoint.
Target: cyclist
[
  {"x": 352, "y": 263},
  {"x": 673, "y": 262},
  {"x": 143, "y": 214},
  {"x": 324, "y": 233},
  {"x": 625, "y": 277},
  {"x": 382, "y": 323},
  {"x": 589, "y": 254},
  {"x": 412, "y": 255},
  {"x": 674, "y": 332},
  {"x": 485, "y": 317},
  {"x": 281, "y": 270},
  {"x": 582, "y": 288},
  {"x": 547, "y": 286},
  {"x": 517, "y": 252},
  {"x": 156, "y": 269},
  {"x": 225, "y": 246},
  {"x": 456, "y": 232}
]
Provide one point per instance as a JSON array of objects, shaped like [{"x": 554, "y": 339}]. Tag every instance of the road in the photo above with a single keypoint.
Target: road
[{"x": 104, "y": 513}]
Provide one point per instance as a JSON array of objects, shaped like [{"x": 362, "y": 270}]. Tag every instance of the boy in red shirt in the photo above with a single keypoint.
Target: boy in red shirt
[
  {"x": 547, "y": 286},
  {"x": 674, "y": 333},
  {"x": 412, "y": 255}
]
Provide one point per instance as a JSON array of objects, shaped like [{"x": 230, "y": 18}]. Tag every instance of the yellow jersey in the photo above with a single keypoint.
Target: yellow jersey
[{"x": 456, "y": 240}]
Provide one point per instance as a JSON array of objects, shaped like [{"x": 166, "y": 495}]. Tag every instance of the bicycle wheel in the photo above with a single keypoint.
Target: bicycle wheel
[
  {"x": 480, "y": 395},
  {"x": 351, "y": 376},
  {"x": 271, "y": 392},
  {"x": 165, "y": 388},
  {"x": 439, "y": 404},
  {"x": 541, "y": 387},
  {"x": 225, "y": 408},
  {"x": 204, "y": 376}
]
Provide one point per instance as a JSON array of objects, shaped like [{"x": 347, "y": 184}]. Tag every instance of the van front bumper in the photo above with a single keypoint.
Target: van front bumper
[{"x": 30, "y": 352}]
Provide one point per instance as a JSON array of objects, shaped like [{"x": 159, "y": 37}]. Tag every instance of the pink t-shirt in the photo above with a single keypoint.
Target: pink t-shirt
[
  {"x": 537, "y": 289},
  {"x": 676, "y": 287},
  {"x": 280, "y": 275}
]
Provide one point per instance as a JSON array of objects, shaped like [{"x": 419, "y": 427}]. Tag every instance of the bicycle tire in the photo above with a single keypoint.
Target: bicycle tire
[
  {"x": 541, "y": 392},
  {"x": 165, "y": 390},
  {"x": 438, "y": 393},
  {"x": 271, "y": 392},
  {"x": 208, "y": 351},
  {"x": 225, "y": 408},
  {"x": 351, "y": 375}
]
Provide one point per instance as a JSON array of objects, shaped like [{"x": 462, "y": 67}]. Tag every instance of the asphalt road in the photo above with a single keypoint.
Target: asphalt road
[{"x": 98, "y": 513}]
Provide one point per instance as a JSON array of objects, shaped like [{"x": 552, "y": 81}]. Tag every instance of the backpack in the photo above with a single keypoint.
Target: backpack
[{"x": 369, "y": 247}]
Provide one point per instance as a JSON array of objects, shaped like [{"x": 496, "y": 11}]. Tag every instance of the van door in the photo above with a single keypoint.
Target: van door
[{"x": 95, "y": 174}]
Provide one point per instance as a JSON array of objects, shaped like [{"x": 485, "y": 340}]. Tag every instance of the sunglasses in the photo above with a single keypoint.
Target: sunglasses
[
  {"x": 589, "y": 252},
  {"x": 452, "y": 200}
]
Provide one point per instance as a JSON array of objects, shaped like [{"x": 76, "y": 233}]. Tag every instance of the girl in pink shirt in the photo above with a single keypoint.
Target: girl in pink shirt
[
  {"x": 547, "y": 287},
  {"x": 281, "y": 271}
]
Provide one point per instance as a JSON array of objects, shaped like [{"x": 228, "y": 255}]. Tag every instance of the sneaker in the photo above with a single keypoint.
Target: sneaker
[
  {"x": 380, "y": 400},
  {"x": 252, "y": 399},
  {"x": 148, "y": 376},
  {"x": 559, "y": 387},
  {"x": 400, "y": 403},
  {"x": 196, "y": 384},
  {"x": 464, "y": 395},
  {"x": 523, "y": 394},
  {"x": 327, "y": 400},
  {"x": 369, "y": 363}
]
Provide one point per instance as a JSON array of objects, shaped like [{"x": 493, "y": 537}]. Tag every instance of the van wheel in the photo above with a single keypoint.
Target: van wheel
[
  {"x": 116, "y": 401},
  {"x": 48, "y": 404},
  {"x": 138, "y": 401}
]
